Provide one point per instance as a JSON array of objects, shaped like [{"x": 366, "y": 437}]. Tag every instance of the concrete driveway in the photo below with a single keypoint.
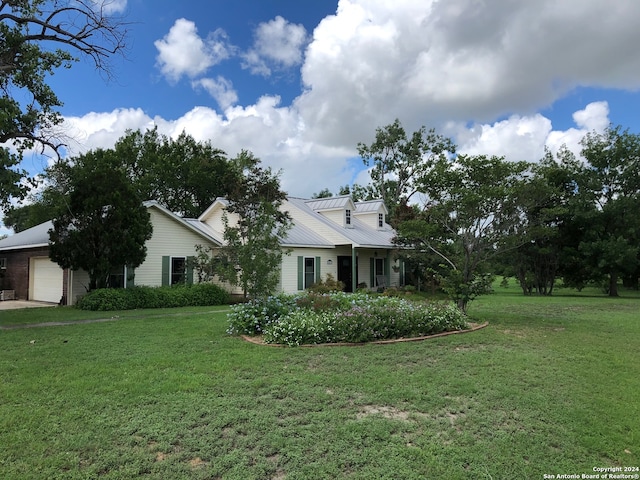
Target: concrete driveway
[{"x": 13, "y": 304}]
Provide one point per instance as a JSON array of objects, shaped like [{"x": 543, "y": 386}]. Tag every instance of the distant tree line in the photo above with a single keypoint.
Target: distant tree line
[{"x": 568, "y": 218}]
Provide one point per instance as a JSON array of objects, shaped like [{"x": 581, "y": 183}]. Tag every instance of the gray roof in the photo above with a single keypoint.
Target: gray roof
[
  {"x": 204, "y": 229},
  {"x": 37, "y": 236},
  {"x": 301, "y": 236},
  {"x": 370, "y": 206},
  {"x": 359, "y": 235},
  {"x": 331, "y": 203}
]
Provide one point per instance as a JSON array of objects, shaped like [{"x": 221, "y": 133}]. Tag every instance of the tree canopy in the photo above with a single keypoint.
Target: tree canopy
[
  {"x": 400, "y": 163},
  {"x": 181, "y": 174},
  {"x": 37, "y": 37},
  {"x": 254, "y": 227},
  {"x": 103, "y": 224}
]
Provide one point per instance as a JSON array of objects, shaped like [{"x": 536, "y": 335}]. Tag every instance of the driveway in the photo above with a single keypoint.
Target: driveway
[{"x": 13, "y": 304}]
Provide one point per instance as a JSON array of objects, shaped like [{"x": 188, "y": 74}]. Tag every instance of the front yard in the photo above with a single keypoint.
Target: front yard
[{"x": 549, "y": 387}]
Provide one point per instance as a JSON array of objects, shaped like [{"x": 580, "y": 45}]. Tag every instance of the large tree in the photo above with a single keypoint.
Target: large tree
[
  {"x": 103, "y": 224},
  {"x": 474, "y": 203},
  {"x": 182, "y": 174},
  {"x": 254, "y": 227},
  {"x": 399, "y": 163},
  {"x": 542, "y": 242},
  {"x": 605, "y": 222},
  {"x": 36, "y": 38}
]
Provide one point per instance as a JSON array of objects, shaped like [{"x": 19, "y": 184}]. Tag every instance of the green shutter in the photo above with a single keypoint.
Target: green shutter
[
  {"x": 166, "y": 270},
  {"x": 189, "y": 270},
  {"x": 300, "y": 273},
  {"x": 318, "y": 273},
  {"x": 372, "y": 272},
  {"x": 401, "y": 270}
]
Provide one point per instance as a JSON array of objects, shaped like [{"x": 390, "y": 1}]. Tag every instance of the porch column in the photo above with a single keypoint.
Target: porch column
[{"x": 354, "y": 270}]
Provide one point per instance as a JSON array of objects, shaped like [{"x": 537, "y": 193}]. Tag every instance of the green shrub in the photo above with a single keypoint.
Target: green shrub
[
  {"x": 322, "y": 318},
  {"x": 329, "y": 284},
  {"x": 252, "y": 317},
  {"x": 202, "y": 294}
]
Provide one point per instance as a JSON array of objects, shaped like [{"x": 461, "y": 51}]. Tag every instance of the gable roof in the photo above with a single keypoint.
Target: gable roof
[
  {"x": 38, "y": 236},
  {"x": 331, "y": 203},
  {"x": 359, "y": 235},
  {"x": 370, "y": 206},
  {"x": 33, "y": 237}
]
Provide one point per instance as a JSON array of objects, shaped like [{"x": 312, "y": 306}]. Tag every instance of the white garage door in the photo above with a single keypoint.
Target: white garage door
[{"x": 47, "y": 280}]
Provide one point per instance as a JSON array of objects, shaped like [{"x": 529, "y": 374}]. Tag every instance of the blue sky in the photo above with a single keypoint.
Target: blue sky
[{"x": 301, "y": 83}]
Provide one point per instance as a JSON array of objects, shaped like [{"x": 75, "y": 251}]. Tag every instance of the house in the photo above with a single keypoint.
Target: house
[
  {"x": 349, "y": 240},
  {"x": 33, "y": 276}
]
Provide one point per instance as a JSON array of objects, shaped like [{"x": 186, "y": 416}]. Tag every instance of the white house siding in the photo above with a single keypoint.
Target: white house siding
[
  {"x": 79, "y": 283},
  {"x": 289, "y": 276},
  {"x": 371, "y": 219},
  {"x": 169, "y": 238},
  {"x": 336, "y": 216},
  {"x": 214, "y": 219}
]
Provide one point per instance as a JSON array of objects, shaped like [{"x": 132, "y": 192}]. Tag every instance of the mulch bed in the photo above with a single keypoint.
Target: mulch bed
[{"x": 258, "y": 340}]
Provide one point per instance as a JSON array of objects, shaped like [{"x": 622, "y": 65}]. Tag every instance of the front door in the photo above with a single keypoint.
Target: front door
[{"x": 345, "y": 272}]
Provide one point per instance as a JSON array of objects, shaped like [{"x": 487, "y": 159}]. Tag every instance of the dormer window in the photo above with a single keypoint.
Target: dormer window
[
  {"x": 380, "y": 220},
  {"x": 347, "y": 217}
]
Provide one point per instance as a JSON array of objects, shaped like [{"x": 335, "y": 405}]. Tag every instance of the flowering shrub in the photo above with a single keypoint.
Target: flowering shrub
[
  {"x": 252, "y": 317},
  {"x": 340, "y": 317}
]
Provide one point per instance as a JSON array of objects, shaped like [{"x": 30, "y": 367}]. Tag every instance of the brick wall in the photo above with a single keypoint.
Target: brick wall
[{"x": 16, "y": 275}]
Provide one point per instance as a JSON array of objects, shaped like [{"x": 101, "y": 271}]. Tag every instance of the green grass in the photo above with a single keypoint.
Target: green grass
[{"x": 551, "y": 386}]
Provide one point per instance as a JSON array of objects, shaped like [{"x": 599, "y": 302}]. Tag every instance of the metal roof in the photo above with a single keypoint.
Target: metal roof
[
  {"x": 331, "y": 203},
  {"x": 370, "y": 206},
  {"x": 359, "y": 235},
  {"x": 37, "y": 236}
]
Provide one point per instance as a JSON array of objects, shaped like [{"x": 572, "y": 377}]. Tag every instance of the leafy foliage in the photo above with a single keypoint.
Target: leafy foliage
[
  {"x": 103, "y": 225},
  {"x": 107, "y": 299},
  {"x": 338, "y": 317},
  {"x": 605, "y": 223},
  {"x": 254, "y": 226},
  {"x": 400, "y": 163},
  {"x": 182, "y": 174},
  {"x": 475, "y": 202},
  {"x": 36, "y": 38}
]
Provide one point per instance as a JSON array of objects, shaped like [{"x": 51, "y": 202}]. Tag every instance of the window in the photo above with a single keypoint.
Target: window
[
  {"x": 116, "y": 278},
  {"x": 309, "y": 272},
  {"x": 3, "y": 263},
  {"x": 380, "y": 220},
  {"x": 178, "y": 270},
  {"x": 347, "y": 217}
]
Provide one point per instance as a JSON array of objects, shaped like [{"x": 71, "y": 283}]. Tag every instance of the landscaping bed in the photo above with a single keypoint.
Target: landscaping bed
[{"x": 313, "y": 318}]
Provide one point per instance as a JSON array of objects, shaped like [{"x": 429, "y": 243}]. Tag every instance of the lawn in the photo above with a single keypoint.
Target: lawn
[{"x": 551, "y": 386}]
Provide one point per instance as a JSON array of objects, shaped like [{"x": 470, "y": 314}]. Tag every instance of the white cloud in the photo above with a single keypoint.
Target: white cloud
[
  {"x": 595, "y": 116},
  {"x": 183, "y": 52},
  {"x": 278, "y": 44},
  {"x": 430, "y": 62},
  {"x": 110, "y": 6},
  {"x": 525, "y": 137},
  {"x": 102, "y": 130},
  {"x": 220, "y": 89}
]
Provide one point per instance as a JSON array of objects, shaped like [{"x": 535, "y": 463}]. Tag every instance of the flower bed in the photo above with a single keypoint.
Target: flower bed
[{"x": 312, "y": 318}]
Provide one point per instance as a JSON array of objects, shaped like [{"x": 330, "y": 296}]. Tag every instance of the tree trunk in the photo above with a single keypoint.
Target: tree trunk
[{"x": 613, "y": 284}]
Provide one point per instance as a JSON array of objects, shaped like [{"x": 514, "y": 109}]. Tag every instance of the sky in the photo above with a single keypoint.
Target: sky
[{"x": 301, "y": 83}]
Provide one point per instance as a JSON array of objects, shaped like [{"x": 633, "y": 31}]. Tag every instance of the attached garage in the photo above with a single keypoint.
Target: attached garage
[{"x": 46, "y": 280}]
